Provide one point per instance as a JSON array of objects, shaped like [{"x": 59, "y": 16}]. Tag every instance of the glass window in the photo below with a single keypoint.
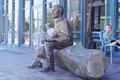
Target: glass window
[
  {"x": 9, "y": 21},
  {"x": 118, "y": 28},
  {"x": 119, "y": 15},
  {"x": 37, "y": 21},
  {"x": 102, "y": 16},
  {"x": 50, "y": 3},
  {"x": 73, "y": 12},
  {"x": 3, "y": 20},
  {"x": 37, "y": 11},
  {"x": 26, "y": 22},
  {"x": 16, "y": 21}
]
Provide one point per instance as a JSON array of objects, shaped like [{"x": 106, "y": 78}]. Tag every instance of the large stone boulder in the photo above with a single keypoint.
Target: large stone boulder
[{"x": 85, "y": 63}]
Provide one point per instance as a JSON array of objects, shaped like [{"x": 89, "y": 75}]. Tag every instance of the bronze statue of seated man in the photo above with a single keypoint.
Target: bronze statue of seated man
[{"x": 62, "y": 38}]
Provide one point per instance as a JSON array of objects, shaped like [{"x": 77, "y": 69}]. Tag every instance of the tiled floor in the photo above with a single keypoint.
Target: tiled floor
[{"x": 13, "y": 62}]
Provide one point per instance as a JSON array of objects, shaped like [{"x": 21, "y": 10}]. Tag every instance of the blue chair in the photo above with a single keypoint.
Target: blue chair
[
  {"x": 96, "y": 38},
  {"x": 103, "y": 46},
  {"x": 109, "y": 47}
]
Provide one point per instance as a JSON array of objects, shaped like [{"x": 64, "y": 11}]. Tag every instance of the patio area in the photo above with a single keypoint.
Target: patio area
[{"x": 13, "y": 62}]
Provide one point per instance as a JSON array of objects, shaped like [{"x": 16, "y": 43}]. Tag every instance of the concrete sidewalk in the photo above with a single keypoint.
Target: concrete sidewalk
[
  {"x": 13, "y": 62},
  {"x": 13, "y": 66}
]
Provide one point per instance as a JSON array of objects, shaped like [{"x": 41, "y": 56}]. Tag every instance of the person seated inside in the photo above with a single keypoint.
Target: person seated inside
[{"x": 108, "y": 37}]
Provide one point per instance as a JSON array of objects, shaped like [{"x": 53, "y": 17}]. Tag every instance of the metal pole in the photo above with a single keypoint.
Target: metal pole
[
  {"x": 21, "y": 19},
  {"x": 6, "y": 22},
  {"x": 1, "y": 6},
  {"x": 114, "y": 16},
  {"x": 44, "y": 12},
  {"x": 106, "y": 6},
  {"x": 13, "y": 22},
  {"x": 31, "y": 22},
  {"x": 63, "y": 3},
  {"x": 114, "y": 19},
  {"x": 83, "y": 26}
]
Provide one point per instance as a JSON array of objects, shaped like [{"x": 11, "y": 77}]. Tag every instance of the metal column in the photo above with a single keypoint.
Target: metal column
[
  {"x": 106, "y": 8},
  {"x": 83, "y": 26},
  {"x": 31, "y": 22},
  {"x": 111, "y": 16},
  {"x": 96, "y": 15},
  {"x": 44, "y": 12},
  {"x": 63, "y": 3},
  {"x": 21, "y": 18},
  {"x": 114, "y": 19},
  {"x": 1, "y": 20},
  {"x": 13, "y": 22},
  {"x": 68, "y": 10},
  {"x": 107, "y": 12},
  {"x": 6, "y": 22}
]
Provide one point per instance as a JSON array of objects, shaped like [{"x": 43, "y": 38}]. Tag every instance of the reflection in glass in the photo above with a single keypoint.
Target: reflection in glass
[{"x": 74, "y": 18}]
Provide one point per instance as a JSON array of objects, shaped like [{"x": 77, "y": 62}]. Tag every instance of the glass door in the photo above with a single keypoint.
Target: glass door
[
  {"x": 73, "y": 12},
  {"x": 37, "y": 23},
  {"x": 118, "y": 21}
]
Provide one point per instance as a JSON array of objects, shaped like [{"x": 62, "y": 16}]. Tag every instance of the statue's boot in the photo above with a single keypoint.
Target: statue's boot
[
  {"x": 36, "y": 64},
  {"x": 45, "y": 66}
]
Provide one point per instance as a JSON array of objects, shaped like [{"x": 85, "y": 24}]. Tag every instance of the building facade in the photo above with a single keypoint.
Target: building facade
[{"x": 21, "y": 17}]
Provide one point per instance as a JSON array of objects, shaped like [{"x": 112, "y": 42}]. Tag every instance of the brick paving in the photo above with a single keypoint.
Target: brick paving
[{"x": 13, "y": 62}]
